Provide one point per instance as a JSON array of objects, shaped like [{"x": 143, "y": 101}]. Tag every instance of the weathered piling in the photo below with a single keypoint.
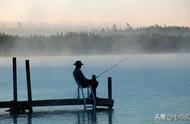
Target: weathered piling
[
  {"x": 15, "y": 99},
  {"x": 110, "y": 91},
  {"x": 94, "y": 101},
  {"x": 94, "y": 78},
  {"x": 14, "y": 108},
  {"x": 29, "y": 90}
]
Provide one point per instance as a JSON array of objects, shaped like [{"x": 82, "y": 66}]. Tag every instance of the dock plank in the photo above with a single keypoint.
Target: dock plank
[{"x": 55, "y": 102}]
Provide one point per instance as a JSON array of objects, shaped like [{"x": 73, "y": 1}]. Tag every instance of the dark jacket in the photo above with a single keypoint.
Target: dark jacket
[{"x": 79, "y": 77}]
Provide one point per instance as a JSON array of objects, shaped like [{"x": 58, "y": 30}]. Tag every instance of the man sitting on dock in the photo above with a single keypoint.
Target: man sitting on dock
[{"x": 82, "y": 80}]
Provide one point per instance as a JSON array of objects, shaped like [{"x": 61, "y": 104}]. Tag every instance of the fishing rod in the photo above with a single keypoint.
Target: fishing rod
[{"x": 113, "y": 66}]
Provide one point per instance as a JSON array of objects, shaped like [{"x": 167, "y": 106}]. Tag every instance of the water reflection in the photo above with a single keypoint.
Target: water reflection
[
  {"x": 17, "y": 117},
  {"x": 89, "y": 117},
  {"x": 75, "y": 117}
]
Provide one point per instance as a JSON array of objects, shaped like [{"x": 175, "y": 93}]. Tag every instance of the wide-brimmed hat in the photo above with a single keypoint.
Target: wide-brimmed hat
[{"x": 78, "y": 63}]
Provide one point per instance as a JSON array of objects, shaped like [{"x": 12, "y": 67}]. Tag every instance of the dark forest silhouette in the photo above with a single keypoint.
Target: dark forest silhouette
[{"x": 153, "y": 39}]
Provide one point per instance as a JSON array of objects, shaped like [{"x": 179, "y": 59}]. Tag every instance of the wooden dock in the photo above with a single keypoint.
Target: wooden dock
[
  {"x": 54, "y": 102},
  {"x": 16, "y": 106}
]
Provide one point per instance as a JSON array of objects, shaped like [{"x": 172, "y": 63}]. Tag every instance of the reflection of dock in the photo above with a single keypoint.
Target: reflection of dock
[
  {"x": 65, "y": 116},
  {"x": 20, "y": 106}
]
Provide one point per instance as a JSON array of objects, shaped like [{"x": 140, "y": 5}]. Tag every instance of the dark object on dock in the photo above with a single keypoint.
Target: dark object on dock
[{"x": 16, "y": 106}]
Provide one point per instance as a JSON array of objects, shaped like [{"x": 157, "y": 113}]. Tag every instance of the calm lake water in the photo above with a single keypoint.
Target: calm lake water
[{"x": 143, "y": 86}]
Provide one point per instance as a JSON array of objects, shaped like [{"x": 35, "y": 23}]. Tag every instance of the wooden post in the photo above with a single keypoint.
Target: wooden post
[
  {"x": 94, "y": 78},
  {"x": 14, "y": 80},
  {"x": 14, "y": 108},
  {"x": 29, "y": 86},
  {"x": 110, "y": 91}
]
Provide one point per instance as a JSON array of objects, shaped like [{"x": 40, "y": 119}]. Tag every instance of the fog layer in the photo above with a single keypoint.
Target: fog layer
[{"x": 114, "y": 40}]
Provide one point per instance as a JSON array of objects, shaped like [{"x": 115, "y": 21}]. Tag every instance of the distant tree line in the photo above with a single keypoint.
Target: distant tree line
[{"x": 153, "y": 39}]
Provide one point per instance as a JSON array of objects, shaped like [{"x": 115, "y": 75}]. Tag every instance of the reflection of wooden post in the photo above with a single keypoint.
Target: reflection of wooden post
[
  {"x": 14, "y": 80},
  {"x": 110, "y": 91},
  {"x": 29, "y": 86},
  {"x": 110, "y": 111},
  {"x": 15, "y": 119}
]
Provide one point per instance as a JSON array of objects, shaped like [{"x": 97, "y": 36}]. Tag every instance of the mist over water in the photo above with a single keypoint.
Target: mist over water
[
  {"x": 134, "y": 60},
  {"x": 105, "y": 41}
]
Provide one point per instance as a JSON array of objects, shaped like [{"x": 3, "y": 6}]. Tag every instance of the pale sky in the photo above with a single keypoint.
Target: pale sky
[{"x": 96, "y": 12}]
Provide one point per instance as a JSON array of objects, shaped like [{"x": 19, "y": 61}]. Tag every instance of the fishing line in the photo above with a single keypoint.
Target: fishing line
[{"x": 113, "y": 66}]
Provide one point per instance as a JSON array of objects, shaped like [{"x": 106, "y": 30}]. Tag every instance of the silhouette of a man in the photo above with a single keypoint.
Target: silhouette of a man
[{"x": 82, "y": 80}]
